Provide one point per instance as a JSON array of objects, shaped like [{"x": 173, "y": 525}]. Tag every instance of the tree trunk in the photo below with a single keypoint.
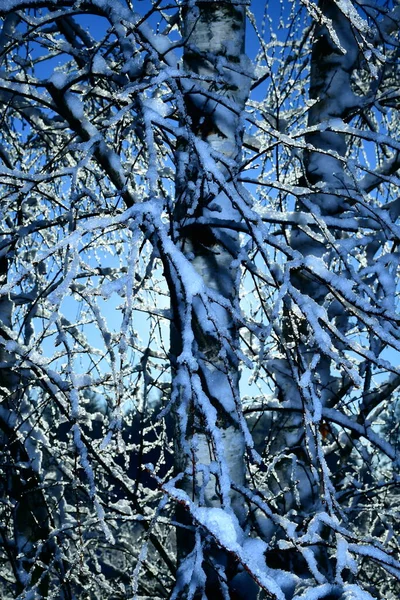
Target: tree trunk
[
  {"x": 210, "y": 444},
  {"x": 301, "y": 434}
]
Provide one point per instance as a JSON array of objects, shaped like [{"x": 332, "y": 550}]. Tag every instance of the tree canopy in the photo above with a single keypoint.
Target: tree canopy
[{"x": 199, "y": 321}]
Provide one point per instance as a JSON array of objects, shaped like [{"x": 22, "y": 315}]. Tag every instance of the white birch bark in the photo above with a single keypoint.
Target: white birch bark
[{"x": 220, "y": 80}]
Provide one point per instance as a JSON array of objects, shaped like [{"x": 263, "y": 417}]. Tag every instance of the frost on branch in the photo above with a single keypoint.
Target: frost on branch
[{"x": 199, "y": 327}]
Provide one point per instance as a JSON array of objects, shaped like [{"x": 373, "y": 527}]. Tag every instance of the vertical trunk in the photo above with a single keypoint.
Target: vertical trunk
[
  {"x": 330, "y": 89},
  {"x": 211, "y": 433}
]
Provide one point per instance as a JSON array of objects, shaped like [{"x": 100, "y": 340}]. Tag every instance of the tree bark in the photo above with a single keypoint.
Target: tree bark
[
  {"x": 331, "y": 91},
  {"x": 214, "y": 99}
]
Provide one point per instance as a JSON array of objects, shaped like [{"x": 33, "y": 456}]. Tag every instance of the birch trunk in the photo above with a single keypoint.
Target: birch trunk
[
  {"x": 331, "y": 91},
  {"x": 220, "y": 82}
]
